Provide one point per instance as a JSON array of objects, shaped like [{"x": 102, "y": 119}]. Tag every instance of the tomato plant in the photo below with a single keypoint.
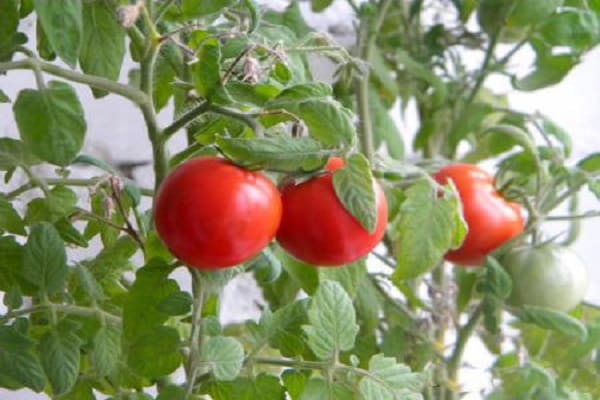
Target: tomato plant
[
  {"x": 546, "y": 276},
  {"x": 491, "y": 220},
  {"x": 325, "y": 233},
  {"x": 211, "y": 214},
  {"x": 115, "y": 289}
]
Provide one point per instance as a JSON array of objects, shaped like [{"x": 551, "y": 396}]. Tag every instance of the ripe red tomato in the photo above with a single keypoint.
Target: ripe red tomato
[
  {"x": 212, "y": 214},
  {"x": 317, "y": 229},
  {"x": 491, "y": 219}
]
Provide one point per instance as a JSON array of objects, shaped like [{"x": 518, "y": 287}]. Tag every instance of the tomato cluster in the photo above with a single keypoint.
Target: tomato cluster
[{"x": 212, "y": 214}]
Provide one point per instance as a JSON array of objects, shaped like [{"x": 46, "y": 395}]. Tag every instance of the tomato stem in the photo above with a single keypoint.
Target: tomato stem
[{"x": 196, "y": 335}]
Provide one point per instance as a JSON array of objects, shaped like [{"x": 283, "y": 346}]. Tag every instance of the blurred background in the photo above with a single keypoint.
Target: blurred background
[{"x": 116, "y": 134}]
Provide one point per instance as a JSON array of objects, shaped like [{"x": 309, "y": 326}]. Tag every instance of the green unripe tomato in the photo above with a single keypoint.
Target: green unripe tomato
[{"x": 548, "y": 276}]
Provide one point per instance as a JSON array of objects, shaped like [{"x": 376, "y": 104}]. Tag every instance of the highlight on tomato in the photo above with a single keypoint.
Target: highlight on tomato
[
  {"x": 317, "y": 229},
  {"x": 491, "y": 219},
  {"x": 212, "y": 214}
]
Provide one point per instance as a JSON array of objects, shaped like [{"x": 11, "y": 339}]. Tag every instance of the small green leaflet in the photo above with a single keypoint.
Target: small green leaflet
[
  {"x": 18, "y": 362},
  {"x": 10, "y": 220},
  {"x": 388, "y": 380},
  {"x": 103, "y": 47},
  {"x": 106, "y": 350},
  {"x": 206, "y": 71},
  {"x": 332, "y": 319},
  {"x": 45, "y": 259},
  {"x": 496, "y": 280},
  {"x": 51, "y": 122},
  {"x": 354, "y": 187},
  {"x": 553, "y": 320},
  {"x": 224, "y": 356},
  {"x": 3, "y": 97},
  {"x": 276, "y": 153},
  {"x": 62, "y": 22},
  {"x": 417, "y": 249},
  {"x": 157, "y": 353},
  {"x": 59, "y": 350}
]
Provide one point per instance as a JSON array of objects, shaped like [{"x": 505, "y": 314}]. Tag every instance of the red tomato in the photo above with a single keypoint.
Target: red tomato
[
  {"x": 317, "y": 229},
  {"x": 492, "y": 221},
  {"x": 212, "y": 214}
]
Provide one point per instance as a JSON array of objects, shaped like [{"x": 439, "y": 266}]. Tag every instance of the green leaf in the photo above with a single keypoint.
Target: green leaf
[
  {"x": 332, "y": 321},
  {"x": 13, "y": 153},
  {"x": 549, "y": 70},
  {"x": 327, "y": 121},
  {"x": 9, "y": 14},
  {"x": 355, "y": 189},
  {"x": 553, "y": 320},
  {"x": 69, "y": 233},
  {"x": 62, "y": 22},
  {"x": 304, "y": 91},
  {"x": 305, "y": 275},
  {"x": 496, "y": 280},
  {"x": 43, "y": 45},
  {"x": 45, "y": 259},
  {"x": 350, "y": 276},
  {"x": 492, "y": 313},
  {"x": 18, "y": 362},
  {"x": 168, "y": 65},
  {"x": 320, "y": 389},
  {"x": 389, "y": 380},
  {"x": 275, "y": 153},
  {"x": 106, "y": 351},
  {"x": 103, "y": 43},
  {"x": 206, "y": 71},
  {"x": 51, "y": 122},
  {"x": 590, "y": 164},
  {"x": 294, "y": 382},
  {"x": 112, "y": 260},
  {"x": 282, "y": 329},
  {"x": 320, "y": 5},
  {"x": 59, "y": 203},
  {"x": 156, "y": 353},
  {"x": 267, "y": 267},
  {"x": 81, "y": 391},
  {"x": 3, "y": 97},
  {"x": 10, "y": 220},
  {"x": 59, "y": 352},
  {"x": 178, "y": 303},
  {"x": 172, "y": 393},
  {"x": 11, "y": 254},
  {"x": 578, "y": 29},
  {"x": 427, "y": 226},
  {"x": 141, "y": 316},
  {"x": 263, "y": 386},
  {"x": 200, "y": 8},
  {"x": 224, "y": 356}
]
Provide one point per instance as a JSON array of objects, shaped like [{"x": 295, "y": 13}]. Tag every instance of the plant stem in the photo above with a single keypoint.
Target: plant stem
[
  {"x": 463, "y": 336},
  {"x": 366, "y": 43},
  {"x": 159, "y": 153},
  {"x": 185, "y": 119},
  {"x": 65, "y": 309},
  {"x": 439, "y": 279},
  {"x": 196, "y": 336},
  {"x": 67, "y": 182},
  {"x": 162, "y": 10},
  {"x": 292, "y": 363},
  {"x": 483, "y": 72},
  {"x": 97, "y": 82}
]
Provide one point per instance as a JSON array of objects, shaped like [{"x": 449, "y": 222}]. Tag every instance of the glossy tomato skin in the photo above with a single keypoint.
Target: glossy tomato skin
[
  {"x": 317, "y": 229},
  {"x": 212, "y": 214},
  {"x": 492, "y": 220},
  {"x": 548, "y": 276}
]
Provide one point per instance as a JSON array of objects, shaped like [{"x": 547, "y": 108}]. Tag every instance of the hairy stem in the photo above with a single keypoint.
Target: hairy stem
[
  {"x": 196, "y": 336},
  {"x": 464, "y": 333},
  {"x": 65, "y": 309},
  {"x": 97, "y": 82},
  {"x": 366, "y": 42},
  {"x": 66, "y": 182}
]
